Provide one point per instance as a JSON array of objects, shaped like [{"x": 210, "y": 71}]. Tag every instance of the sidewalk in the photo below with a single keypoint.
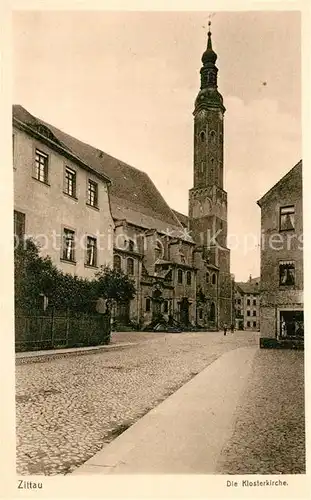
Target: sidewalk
[
  {"x": 57, "y": 353},
  {"x": 187, "y": 432}
]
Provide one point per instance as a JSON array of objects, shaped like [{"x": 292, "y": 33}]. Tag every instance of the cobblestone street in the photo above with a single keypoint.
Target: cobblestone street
[
  {"x": 68, "y": 408},
  {"x": 269, "y": 434}
]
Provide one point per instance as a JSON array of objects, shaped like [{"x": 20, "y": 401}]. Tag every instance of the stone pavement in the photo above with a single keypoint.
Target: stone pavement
[
  {"x": 243, "y": 414},
  {"x": 269, "y": 434},
  {"x": 67, "y": 409},
  {"x": 186, "y": 433}
]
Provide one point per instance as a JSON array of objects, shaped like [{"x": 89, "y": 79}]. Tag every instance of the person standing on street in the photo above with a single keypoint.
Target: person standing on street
[
  {"x": 225, "y": 329},
  {"x": 232, "y": 328}
]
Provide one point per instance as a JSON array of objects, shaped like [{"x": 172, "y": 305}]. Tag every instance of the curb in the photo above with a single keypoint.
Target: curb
[{"x": 42, "y": 356}]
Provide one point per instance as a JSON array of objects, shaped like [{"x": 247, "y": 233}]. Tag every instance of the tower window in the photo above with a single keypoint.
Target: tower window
[
  {"x": 213, "y": 136},
  {"x": 202, "y": 136},
  {"x": 214, "y": 279}
]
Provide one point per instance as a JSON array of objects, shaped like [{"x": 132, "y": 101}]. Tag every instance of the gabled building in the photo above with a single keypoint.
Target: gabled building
[
  {"x": 247, "y": 304},
  {"x": 281, "y": 279}
]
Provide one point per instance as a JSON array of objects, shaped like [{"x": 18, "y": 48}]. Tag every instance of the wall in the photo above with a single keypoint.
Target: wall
[
  {"x": 48, "y": 210},
  {"x": 281, "y": 246}
]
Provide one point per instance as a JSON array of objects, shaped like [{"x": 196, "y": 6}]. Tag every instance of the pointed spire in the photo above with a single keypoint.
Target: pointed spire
[
  {"x": 209, "y": 35},
  {"x": 209, "y": 55}
]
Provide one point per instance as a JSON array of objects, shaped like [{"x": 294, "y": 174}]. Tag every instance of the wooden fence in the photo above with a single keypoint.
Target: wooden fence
[{"x": 59, "y": 329}]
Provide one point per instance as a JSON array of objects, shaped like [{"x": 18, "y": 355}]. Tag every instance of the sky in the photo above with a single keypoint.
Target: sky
[{"x": 126, "y": 82}]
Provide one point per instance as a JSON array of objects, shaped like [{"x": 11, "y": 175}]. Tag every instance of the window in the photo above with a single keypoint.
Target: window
[
  {"x": 287, "y": 218},
  {"x": 19, "y": 227},
  {"x": 41, "y": 171},
  {"x": 248, "y": 313},
  {"x": 287, "y": 273},
  {"x": 214, "y": 279},
  {"x": 248, "y": 324},
  {"x": 254, "y": 313},
  {"x": 131, "y": 245},
  {"x": 130, "y": 266},
  {"x": 165, "y": 306},
  {"x": 207, "y": 277},
  {"x": 147, "y": 305},
  {"x": 202, "y": 136},
  {"x": 254, "y": 302},
  {"x": 117, "y": 262},
  {"x": 254, "y": 324},
  {"x": 200, "y": 313},
  {"x": 69, "y": 245},
  {"x": 70, "y": 182},
  {"x": 188, "y": 277},
  {"x": 213, "y": 136},
  {"x": 91, "y": 252},
  {"x": 169, "y": 276},
  {"x": 248, "y": 302},
  {"x": 179, "y": 276},
  {"x": 239, "y": 301},
  {"x": 92, "y": 196}
]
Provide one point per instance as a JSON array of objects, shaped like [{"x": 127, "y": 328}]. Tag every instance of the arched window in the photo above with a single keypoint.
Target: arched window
[
  {"x": 188, "y": 277},
  {"x": 159, "y": 250},
  {"x": 202, "y": 136},
  {"x": 214, "y": 279},
  {"x": 179, "y": 276},
  {"x": 130, "y": 266},
  {"x": 212, "y": 314},
  {"x": 117, "y": 262},
  {"x": 213, "y": 136},
  {"x": 207, "y": 277}
]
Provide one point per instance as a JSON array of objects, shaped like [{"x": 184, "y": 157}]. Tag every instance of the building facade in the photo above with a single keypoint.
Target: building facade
[
  {"x": 180, "y": 264},
  {"x": 247, "y": 305},
  {"x": 59, "y": 200},
  {"x": 282, "y": 314}
]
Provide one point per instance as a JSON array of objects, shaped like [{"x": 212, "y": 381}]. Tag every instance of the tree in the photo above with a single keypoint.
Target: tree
[{"x": 114, "y": 285}]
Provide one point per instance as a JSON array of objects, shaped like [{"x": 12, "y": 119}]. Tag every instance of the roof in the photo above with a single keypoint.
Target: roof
[
  {"x": 296, "y": 169},
  {"x": 184, "y": 219},
  {"x": 250, "y": 286},
  {"x": 133, "y": 196}
]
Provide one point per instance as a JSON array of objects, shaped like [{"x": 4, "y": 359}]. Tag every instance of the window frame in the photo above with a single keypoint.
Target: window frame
[
  {"x": 285, "y": 264},
  {"x": 38, "y": 164},
  {"x": 72, "y": 172},
  {"x": 21, "y": 223},
  {"x": 88, "y": 247},
  {"x": 287, "y": 213},
  {"x": 89, "y": 202},
  {"x": 64, "y": 258},
  {"x": 180, "y": 276},
  {"x": 131, "y": 271}
]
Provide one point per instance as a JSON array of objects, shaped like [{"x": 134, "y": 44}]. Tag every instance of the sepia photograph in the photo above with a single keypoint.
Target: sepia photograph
[{"x": 158, "y": 244}]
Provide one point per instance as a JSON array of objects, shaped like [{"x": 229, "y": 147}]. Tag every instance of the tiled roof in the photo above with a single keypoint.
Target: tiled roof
[
  {"x": 133, "y": 195},
  {"x": 249, "y": 287}
]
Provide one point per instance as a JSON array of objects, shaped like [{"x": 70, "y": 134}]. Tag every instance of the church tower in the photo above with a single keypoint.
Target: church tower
[{"x": 207, "y": 198}]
